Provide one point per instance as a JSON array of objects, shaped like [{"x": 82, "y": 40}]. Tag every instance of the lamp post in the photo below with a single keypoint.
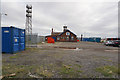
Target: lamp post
[{"x": 1, "y": 14}]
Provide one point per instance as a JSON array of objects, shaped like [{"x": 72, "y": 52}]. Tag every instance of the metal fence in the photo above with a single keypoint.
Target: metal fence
[
  {"x": 34, "y": 39},
  {"x": 31, "y": 40},
  {"x": 40, "y": 39}
]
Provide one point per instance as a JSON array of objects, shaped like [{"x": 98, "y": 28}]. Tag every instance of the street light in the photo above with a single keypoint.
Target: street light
[
  {"x": 1, "y": 39},
  {"x": 3, "y": 14}
]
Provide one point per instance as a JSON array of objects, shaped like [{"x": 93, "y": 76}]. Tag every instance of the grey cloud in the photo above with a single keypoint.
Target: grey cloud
[{"x": 94, "y": 19}]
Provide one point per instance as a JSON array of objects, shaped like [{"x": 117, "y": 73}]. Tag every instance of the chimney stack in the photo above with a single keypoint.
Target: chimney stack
[
  {"x": 52, "y": 31},
  {"x": 81, "y": 37},
  {"x": 64, "y": 28}
]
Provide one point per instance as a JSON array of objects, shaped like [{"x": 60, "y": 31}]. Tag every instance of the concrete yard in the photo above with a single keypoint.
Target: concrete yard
[{"x": 63, "y": 60}]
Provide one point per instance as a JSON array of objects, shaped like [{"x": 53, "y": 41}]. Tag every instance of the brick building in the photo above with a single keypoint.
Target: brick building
[{"x": 65, "y": 36}]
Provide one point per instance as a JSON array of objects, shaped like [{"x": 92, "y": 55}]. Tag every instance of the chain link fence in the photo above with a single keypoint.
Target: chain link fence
[
  {"x": 40, "y": 39},
  {"x": 31, "y": 40},
  {"x": 34, "y": 39}
]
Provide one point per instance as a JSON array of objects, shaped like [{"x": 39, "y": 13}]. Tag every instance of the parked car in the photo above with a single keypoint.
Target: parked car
[
  {"x": 109, "y": 43},
  {"x": 116, "y": 43}
]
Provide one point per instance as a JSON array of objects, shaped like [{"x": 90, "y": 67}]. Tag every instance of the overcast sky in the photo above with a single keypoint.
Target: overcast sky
[{"x": 95, "y": 19}]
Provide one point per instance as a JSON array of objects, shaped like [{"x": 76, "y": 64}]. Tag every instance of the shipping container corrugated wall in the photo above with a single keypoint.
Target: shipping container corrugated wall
[
  {"x": 22, "y": 39},
  {"x": 98, "y": 39},
  {"x": 54, "y": 38},
  {"x": 13, "y": 39},
  {"x": 6, "y": 40},
  {"x": 92, "y": 39},
  {"x": 85, "y": 39}
]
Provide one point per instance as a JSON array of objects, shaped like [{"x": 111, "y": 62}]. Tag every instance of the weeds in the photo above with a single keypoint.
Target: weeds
[
  {"x": 14, "y": 57},
  {"x": 107, "y": 71},
  {"x": 66, "y": 70}
]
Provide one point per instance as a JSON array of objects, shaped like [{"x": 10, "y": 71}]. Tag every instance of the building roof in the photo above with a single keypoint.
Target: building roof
[
  {"x": 59, "y": 33},
  {"x": 66, "y": 31},
  {"x": 56, "y": 33}
]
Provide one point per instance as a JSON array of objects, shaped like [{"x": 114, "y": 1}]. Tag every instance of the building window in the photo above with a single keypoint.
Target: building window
[
  {"x": 72, "y": 38},
  {"x": 58, "y": 38},
  {"x": 67, "y": 38},
  {"x": 67, "y": 33}
]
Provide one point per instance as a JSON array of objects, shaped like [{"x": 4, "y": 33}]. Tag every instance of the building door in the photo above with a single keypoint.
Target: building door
[{"x": 69, "y": 38}]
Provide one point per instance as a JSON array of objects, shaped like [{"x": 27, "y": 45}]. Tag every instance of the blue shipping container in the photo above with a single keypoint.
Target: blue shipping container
[
  {"x": 54, "y": 38},
  {"x": 95, "y": 39},
  {"x": 22, "y": 39},
  {"x": 92, "y": 39},
  {"x": 98, "y": 39},
  {"x": 13, "y": 39},
  {"x": 85, "y": 39}
]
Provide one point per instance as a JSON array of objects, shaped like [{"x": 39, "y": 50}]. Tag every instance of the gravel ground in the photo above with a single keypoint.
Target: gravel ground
[{"x": 63, "y": 60}]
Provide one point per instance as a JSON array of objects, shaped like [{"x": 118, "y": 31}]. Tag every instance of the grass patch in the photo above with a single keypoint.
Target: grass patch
[
  {"x": 24, "y": 71},
  {"x": 107, "y": 71},
  {"x": 103, "y": 57},
  {"x": 80, "y": 71},
  {"x": 69, "y": 71},
  {"x": 44, "y": 72},
  {"x": 31, "y": 49},
  {"x": 13, "y": 57},
  {"x": 8, "y": 70},
  {"x": 19, "y": 71},
  {"x": 79, "y": 66},
  {"x": 109, "y": 60},
  {"x": 66, "y": 70}
]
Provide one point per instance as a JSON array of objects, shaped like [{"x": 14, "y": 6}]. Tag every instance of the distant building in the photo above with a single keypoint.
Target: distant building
[
  {"x": 113, "y": 38},
  {"x": 65, "y": 36}
]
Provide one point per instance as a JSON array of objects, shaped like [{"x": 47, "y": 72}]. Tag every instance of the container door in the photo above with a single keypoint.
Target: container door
[
  {"x": 15, "y": 39},
  {"x": 6, "y": 40},
  {"x": 15, "y": 44},
  {"x": 22, "y": 43},
  {"x": 22, "y": 39}
]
